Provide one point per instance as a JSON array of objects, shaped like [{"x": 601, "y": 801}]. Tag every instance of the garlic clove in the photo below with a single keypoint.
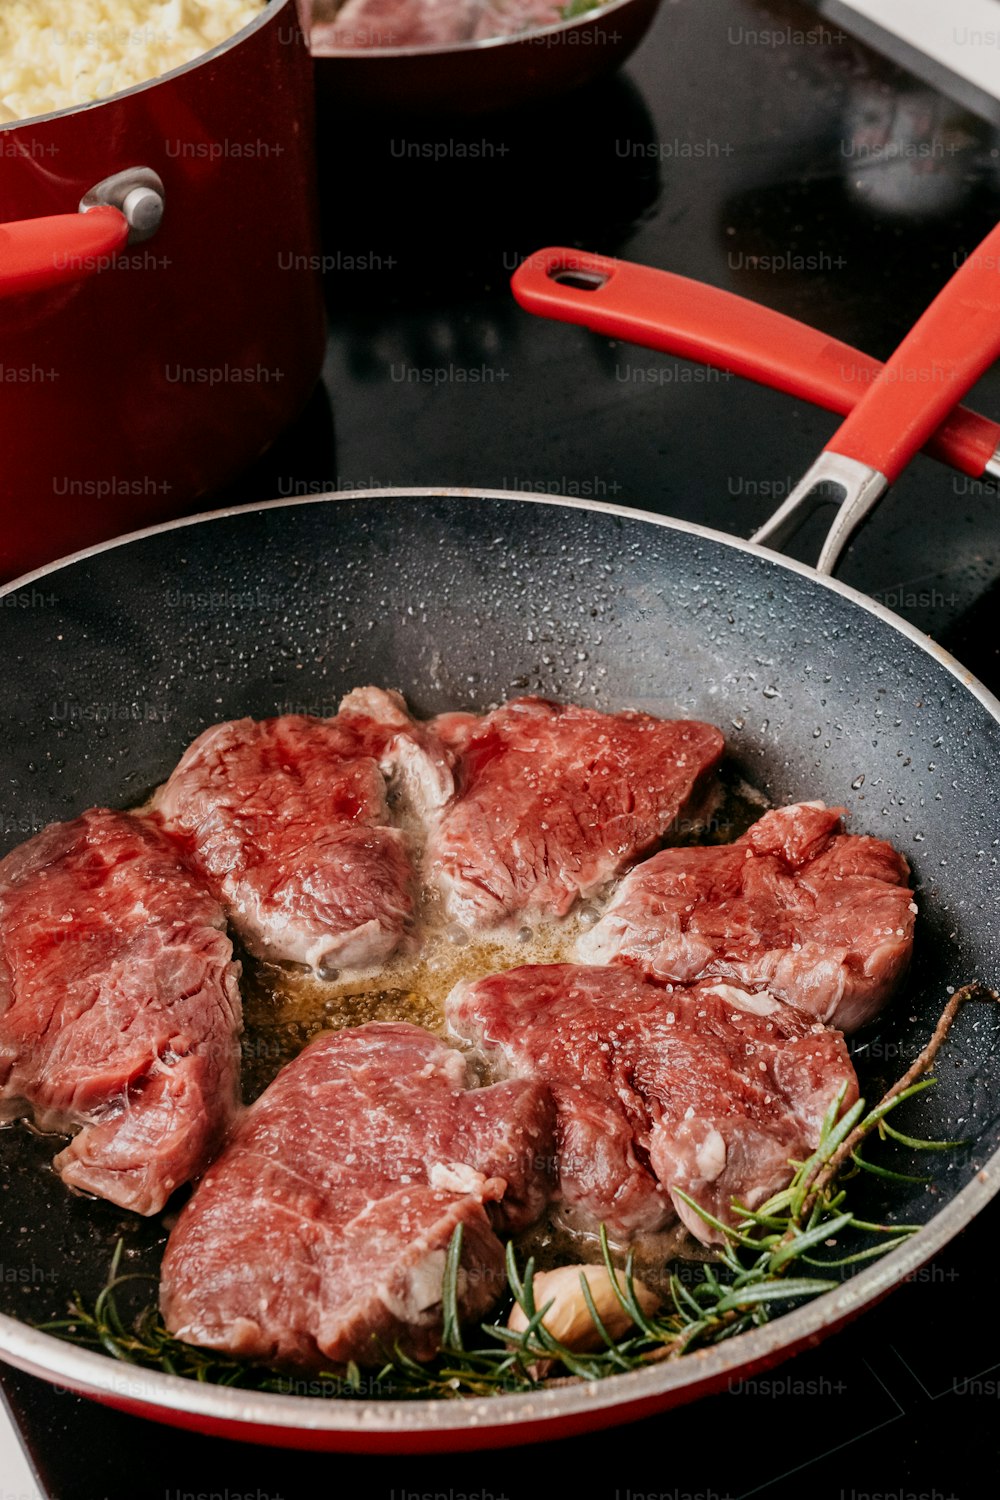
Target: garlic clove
[{"x": 569, "y": 1319}]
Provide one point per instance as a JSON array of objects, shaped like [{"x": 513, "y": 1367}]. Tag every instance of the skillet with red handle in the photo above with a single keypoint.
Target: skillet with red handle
[{"x": 461, "y": 598}]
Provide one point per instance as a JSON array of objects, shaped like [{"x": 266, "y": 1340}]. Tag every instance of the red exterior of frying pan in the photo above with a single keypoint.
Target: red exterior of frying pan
[
  {"x": 165, "y": 370},
  {"x": 548, "y": 1427}
]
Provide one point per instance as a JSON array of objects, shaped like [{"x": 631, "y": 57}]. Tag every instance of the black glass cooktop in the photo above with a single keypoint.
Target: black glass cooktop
[{"x": 761, "y": 149}]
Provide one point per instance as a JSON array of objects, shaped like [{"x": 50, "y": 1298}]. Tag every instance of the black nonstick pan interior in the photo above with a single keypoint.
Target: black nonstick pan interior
[{"x": 114, "y": 662}]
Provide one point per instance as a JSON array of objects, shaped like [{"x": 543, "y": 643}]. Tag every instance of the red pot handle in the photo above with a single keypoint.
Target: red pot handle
[
  {"x": 661, "y": 310},
  {"x": 39, "y": 253}
]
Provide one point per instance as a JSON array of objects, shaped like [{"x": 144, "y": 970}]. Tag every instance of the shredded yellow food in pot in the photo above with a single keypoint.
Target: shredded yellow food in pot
[{"x": 58, "y": 53}]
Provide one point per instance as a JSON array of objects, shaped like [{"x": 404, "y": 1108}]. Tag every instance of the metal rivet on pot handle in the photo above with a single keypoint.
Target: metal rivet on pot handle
[
  {"x": 36, "y": 254},
  {"x": 137, "y": 193}
]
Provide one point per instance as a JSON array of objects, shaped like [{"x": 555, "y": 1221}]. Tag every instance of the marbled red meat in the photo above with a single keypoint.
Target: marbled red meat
[
  {"x": 706, "y": 1089},
  {"x": 319, "y": 1235},
  {"x": 289, "y": 820},
  {"x": 552, "y": 801},
  {"x": 823, "y": 918},
  {"x": 119, "y": 1006},
  {"x": 425, "y": 23}
]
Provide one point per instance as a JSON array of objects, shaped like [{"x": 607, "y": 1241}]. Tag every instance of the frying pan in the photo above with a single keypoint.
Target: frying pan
[{"x": 117, "y": 657}]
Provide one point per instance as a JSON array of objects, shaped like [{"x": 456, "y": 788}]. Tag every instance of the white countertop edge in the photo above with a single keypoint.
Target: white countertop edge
[{"x": 16, "y": 1479}]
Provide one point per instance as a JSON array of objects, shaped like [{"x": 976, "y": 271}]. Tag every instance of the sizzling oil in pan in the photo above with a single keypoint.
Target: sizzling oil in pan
[{"x": 285, "y": 1008}]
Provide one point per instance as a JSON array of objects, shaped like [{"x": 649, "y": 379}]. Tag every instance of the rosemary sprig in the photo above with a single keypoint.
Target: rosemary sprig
[{"x": 763, "y": 1263}]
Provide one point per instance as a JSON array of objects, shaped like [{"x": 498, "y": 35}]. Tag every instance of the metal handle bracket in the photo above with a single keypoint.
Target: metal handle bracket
[
  {"x": 856, "y": 486},
  {"x": 138, "y": 193}
]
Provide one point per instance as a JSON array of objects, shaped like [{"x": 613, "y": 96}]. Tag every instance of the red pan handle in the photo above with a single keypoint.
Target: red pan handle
[
  {"x": 661, "y": 310},
  {"x": 39, "y": 253},
  {"x": 948, "y": 348},
  {"x": 945, "y": 352}
]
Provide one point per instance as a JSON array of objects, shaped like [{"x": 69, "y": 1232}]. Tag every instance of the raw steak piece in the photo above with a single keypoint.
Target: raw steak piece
[
  {"x": 367, "y": 24},
  {"x": 288, "y": 819},
  {"x": 553, "y": 801},
  {"x": 409, "y": 753},
  {"x": 119, "y": 1006},
  {"x": 823, "y": 918},
  {"x": 708, "y": 1089},
  {"x": 320, "y": 1234},
  {"x": 425, "y": 23}
]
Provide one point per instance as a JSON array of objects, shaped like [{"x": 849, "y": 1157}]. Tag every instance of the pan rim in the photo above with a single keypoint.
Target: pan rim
[
  {"x": 568, "y": 502},
  {"x": 98, "y": 1375}
]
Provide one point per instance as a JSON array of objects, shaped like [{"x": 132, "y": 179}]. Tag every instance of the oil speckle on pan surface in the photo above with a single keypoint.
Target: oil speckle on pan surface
[{"x": 116, "y": 661}]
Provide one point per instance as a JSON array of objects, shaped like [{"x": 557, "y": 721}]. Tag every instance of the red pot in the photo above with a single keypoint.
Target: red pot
[{"x": 143, "y": 364}]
